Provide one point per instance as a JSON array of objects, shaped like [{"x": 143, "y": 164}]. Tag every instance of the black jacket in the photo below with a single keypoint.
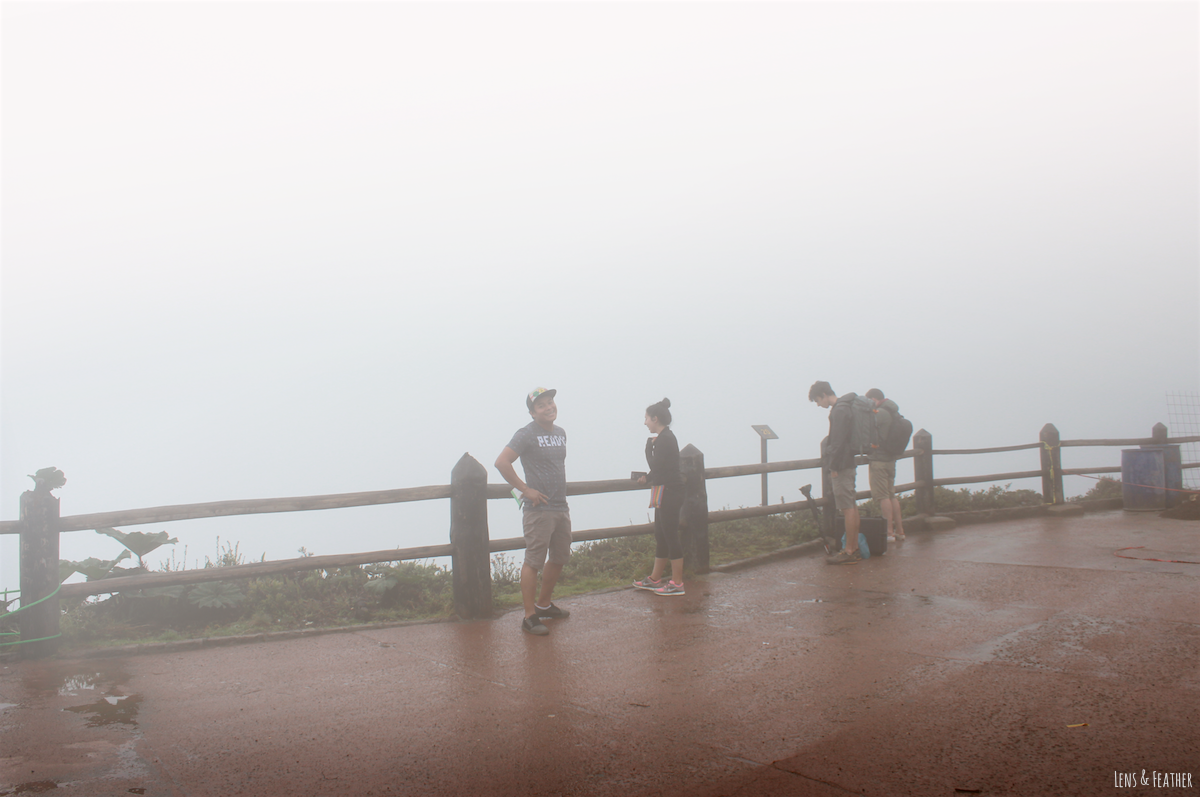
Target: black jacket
[
  {"x": 837, "y": 454},
  {"x": 662, "y": 455}
]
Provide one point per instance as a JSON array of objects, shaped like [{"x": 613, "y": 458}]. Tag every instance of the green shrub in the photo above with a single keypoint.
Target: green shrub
[
  {"x": 1103, "y": 488},
  {"x": 962, "y": 500},
  {"x": 741, "y": 539}
]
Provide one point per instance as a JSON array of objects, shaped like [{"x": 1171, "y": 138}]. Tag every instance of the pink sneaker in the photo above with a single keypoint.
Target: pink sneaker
[{"x": 648, "y": 583}]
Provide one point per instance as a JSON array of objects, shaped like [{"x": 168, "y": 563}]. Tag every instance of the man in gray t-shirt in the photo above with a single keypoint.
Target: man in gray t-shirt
[
  {"x": 543, "y": 457},
  {"x": 542, "y": 449}
]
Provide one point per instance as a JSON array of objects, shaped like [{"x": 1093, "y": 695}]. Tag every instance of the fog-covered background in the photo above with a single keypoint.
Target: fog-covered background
[{"x": 271, "y": 249}]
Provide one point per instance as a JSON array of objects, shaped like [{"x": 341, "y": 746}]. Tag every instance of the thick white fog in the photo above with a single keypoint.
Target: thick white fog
[{"x": 274, "y": 249}]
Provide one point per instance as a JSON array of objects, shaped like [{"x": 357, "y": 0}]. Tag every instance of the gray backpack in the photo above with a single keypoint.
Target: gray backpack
[
  {"x": 863, "y": 434},
  {"x": 899, "y": 431}
]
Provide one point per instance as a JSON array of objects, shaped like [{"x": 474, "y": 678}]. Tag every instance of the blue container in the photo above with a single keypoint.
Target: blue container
[
  {"x": 863, "y": 547},
  {"x": 1143, "y": 479},
  {"x": 1172, "y": 472}
]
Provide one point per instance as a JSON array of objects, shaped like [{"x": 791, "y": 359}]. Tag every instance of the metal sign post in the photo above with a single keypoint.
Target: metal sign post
[{"x": 766, "y": 434}]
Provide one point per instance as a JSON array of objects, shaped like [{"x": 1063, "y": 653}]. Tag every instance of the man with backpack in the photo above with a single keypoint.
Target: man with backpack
[
  {"x": 893, "y": 431},
  {"x": 837, "y": 456}
]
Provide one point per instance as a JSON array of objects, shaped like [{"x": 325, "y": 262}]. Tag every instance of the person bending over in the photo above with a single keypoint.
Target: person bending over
[{"x": 838, "y": 458}]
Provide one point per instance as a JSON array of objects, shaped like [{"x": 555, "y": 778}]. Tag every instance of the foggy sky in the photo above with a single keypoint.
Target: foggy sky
[{"x": 276, "y": 249}]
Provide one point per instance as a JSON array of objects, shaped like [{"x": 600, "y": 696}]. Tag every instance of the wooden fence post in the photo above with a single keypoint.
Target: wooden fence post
[
  {"x": 829, "y": 511},
  {"x": 39, "y": 572},
  {"x": 471, "y": 561},
  {"x": 1052, "y": 481},
  {"x": 693, "y": 526},
  {"x": 922, "y": 443}
]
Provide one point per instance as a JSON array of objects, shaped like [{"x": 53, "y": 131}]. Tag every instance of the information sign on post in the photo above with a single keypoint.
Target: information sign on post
[{"x": 766, "y": 434}]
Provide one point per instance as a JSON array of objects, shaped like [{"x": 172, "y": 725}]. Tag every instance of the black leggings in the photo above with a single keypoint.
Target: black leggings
[{"x": 666, "y": 525}]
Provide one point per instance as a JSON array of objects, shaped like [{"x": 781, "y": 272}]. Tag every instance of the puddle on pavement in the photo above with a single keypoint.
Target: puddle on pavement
[
  {"x": 33, "y": 787},
  {"x": 109, "y": 702},
  {"x": 74, "y": 684},
  {"x": 73, "y": 680},
  {"x": 110, "y": 710}
]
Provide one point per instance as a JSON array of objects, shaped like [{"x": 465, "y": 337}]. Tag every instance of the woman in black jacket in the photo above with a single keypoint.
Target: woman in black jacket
[{"x": 666, "y": 496}]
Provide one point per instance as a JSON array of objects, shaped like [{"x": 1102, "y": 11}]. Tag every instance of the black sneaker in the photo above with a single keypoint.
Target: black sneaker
[
  {"x": 533, "y": 625},
  {"x": 552, "y": 613}
]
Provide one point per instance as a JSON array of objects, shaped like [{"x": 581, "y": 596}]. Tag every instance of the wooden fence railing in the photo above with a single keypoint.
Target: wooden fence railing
[{"x": 470, "y": 546}]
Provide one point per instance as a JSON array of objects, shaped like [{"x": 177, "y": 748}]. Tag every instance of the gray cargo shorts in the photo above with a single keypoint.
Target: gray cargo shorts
[
  {"x": 547, "y": 537},
  {"x": 843, "y": 488},
  {"x": 883, "y": 479}
]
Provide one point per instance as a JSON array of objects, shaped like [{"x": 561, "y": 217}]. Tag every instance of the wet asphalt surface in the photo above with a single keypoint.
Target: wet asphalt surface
[{"x": 1016, "y": 658}]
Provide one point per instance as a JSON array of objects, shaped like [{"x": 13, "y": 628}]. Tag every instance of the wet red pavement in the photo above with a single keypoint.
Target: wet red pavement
[{"x": 956, "y": 664}]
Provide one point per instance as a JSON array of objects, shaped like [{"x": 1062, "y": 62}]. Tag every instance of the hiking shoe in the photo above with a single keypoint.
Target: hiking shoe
[
  {"x": 533, "y": 625},
  {"x": 670, "y": 588},
  {"x": 552, "y": 613},
  {"x": 648, "y": 583},
  {"x": 844, "y": 557}
]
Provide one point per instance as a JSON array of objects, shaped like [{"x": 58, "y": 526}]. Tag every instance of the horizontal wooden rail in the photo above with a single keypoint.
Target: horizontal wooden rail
[
  {"x": 253, "y": 506},
  {"x": 1086, "y": 471},
  {"x": 1133, "y": 441},
  {"x": 760, "y": 467},
  {"x": 165, "y": 514},
  {"x": 589, "y": 535},
  {"x": 992, "y": 477},
  {"x": 575, "y": 488},
  {"x": 775, "y": 467},
  {"x": 625, "y": 485},
  {"x": 995, "y": 450},
  {"x": 1030, "y": 474},
  {"x": 725, "y": 515},
  {"x": 259, "y": 569},
  {"x": 1139, "y": 441},
  {"x": 283, "y": 566},
  {"x": 252, "y": 570},
  {"x": 718, "y": 516}
]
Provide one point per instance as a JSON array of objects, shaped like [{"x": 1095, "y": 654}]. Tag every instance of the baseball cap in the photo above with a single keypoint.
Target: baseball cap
[{"x": 533, "y": 396}]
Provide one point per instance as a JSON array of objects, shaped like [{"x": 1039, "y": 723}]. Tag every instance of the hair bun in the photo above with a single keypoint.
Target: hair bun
[{"x": 666, "y": 403}]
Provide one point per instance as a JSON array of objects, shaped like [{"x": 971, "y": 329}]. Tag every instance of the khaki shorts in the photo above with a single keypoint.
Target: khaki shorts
[
  {"x": 883, "y": 479},
  {"x": 843, "y": 488},
  {"x": 547, "y": 537}
]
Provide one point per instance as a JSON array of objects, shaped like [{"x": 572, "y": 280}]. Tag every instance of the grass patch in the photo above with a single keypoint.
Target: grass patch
[
  {"x": 963, "y": 500},
  {"x": 742, "y": 539}
]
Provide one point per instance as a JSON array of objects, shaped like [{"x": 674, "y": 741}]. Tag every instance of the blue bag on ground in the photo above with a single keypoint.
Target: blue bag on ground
[{"x": 862, "y": 545}]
